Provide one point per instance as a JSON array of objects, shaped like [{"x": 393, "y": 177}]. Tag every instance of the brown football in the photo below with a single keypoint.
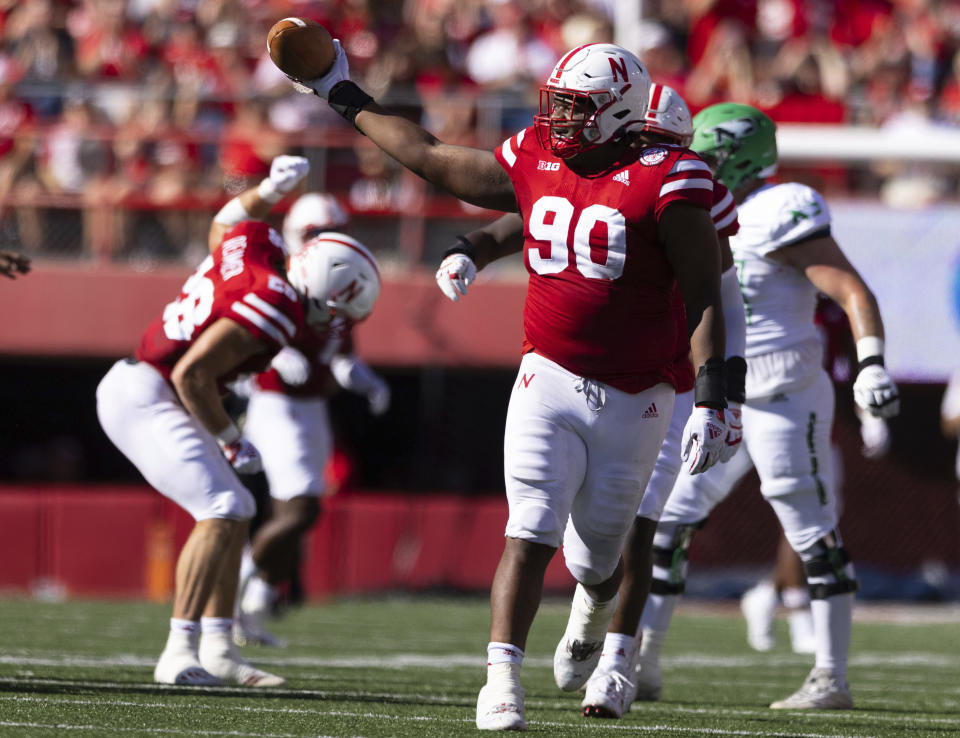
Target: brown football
[{"x": 301, "y": 48}]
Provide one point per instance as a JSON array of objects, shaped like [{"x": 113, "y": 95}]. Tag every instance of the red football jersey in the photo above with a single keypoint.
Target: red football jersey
[
  {"x": 319, "y": 346},
  {"x": 599, "y": 297},
  {"x": 241, "y": 280},
  {"x": 724, "y": 214}
]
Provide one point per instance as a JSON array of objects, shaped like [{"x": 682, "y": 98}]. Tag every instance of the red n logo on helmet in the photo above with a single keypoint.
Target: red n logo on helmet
[
  {"x": 347, "y": 293},
  {"x": 618, "y": 65}
]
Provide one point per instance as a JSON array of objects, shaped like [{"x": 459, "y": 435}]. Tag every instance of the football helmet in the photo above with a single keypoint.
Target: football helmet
[
  {"x": 668, "y": 115},
  {"x": 738, "y": 142},
  {"x": 596, "y": 93},
  {"x": 337, "y": 276},
  {"x": 310, "y": 214}
]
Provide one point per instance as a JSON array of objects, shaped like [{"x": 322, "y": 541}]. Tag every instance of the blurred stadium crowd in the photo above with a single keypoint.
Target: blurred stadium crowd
[{"x": 125, "y": 123}]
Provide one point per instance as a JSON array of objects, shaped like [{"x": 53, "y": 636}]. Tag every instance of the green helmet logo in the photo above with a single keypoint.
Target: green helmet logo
[{"x": 738, "y": 141}]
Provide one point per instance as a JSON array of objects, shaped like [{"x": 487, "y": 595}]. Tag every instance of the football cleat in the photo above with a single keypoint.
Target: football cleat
[
  {"x": 220, "y": 657},
  {"x": 758, "y": 604},
  {"x": 820, "y": 691},
  {"x": 607, "y": 694},
  {"x": 183, "y": 669},
  {"x": 500, "y": 706}
]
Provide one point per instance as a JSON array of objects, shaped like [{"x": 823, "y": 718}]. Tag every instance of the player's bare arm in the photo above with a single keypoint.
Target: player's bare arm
[
  {"x": 690, "y": 241},
  {"x": 220, "y": 349},
  {"x": 473, "y": 175},
  {"x": 286, "y": 172},
  {"x": 828, "y": 269},
  {"x": 500, "y": 238}
]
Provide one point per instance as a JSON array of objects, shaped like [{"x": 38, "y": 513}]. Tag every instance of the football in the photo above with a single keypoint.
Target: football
[{"x": 301, "y": 48}]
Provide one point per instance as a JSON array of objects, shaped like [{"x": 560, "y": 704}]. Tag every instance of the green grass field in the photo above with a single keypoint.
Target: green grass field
[{"x": 411, "y": 666}]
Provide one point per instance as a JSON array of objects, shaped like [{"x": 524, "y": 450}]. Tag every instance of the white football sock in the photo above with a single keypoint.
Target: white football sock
[
  {"x": 617, "y": 652},
  {"x": 216, "y": 625},
  {"x": 658, "y": 612},
  {"x": 503, "y": 653},
  {"x": 832, "y": 618}
]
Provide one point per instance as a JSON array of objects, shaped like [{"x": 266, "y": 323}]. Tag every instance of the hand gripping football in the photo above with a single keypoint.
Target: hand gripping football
[{"x": 301, "y": 48}]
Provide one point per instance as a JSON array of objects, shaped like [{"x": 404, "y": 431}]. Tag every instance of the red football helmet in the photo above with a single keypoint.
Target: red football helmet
[{"x": 594, "y": 94}]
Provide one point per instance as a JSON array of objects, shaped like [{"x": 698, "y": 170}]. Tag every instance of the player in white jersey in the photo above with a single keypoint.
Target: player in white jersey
[{"x": 785, "y": 255}]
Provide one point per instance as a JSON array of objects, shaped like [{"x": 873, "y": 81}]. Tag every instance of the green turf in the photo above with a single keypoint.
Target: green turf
[{"x": 412, "y": 666}]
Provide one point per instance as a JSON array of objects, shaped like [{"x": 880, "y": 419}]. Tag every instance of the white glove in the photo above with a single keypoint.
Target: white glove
[
  {"x": 321, "y": 86},
  {"x": 704, "y": 439},
  {"x": 875, "y": 391},
  {"x": 455, "y": 274},
  {"x": 242, "y": 455},
  {"x": 378, "y": 396},
  {"x": 875, "y": 434},
  {"x": 734, "y": 438},
  {"x": 285, "y": 174},
  {"x": 292, "y": 366}
]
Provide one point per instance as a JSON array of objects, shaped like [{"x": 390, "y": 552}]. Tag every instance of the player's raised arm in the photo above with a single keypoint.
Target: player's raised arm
[
  {"x": 825, "y": 265},
  {"x": 473, "y": 175},
  {"x": 286, "y": 172}
]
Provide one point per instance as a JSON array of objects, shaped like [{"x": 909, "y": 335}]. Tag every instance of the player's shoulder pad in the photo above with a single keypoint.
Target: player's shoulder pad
[
  {"x": 793, "y": 211},
  {"x": 509, "y": 150}
]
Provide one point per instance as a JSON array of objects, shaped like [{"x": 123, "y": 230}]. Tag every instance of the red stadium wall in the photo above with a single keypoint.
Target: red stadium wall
[{"x": 69, "y": 311}]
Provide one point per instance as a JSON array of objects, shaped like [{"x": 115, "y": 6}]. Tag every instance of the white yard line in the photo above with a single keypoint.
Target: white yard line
[
  {"x": 833, "y": 715},
  {"x": 106, "y": 729}
]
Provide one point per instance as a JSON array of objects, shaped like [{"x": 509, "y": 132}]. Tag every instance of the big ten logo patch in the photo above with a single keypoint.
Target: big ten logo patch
[{"x": 548, "y": 166}]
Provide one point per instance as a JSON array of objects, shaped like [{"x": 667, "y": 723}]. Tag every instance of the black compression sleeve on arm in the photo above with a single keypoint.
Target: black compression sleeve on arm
[
  {"x": 462, "y": 246},
  {"x": 710, "y": 385},
  {"x": 348, "y": 100}
]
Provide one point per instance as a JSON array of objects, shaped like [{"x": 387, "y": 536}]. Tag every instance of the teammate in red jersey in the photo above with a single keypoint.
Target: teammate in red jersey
[
  {"x": 163, "y": 410},
  {"x": 287, "y": 417},
  {"x": 608, "y": 229}
]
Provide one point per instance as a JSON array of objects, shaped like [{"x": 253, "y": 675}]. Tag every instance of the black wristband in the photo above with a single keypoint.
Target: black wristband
[
  {"x": 875, "y": 360},
  {"x": 708, "y": 391},
  {"x": 348, "y": 100},
  {"x": 463, "y": 246},
  {"x": 736, "y": 368}
]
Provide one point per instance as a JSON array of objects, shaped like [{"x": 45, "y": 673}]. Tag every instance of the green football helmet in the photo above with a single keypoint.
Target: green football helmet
[{"x": 737, "y": 141}]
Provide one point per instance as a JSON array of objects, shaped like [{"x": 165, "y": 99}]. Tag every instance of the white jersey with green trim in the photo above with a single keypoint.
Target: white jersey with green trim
[{"x": 779, "y": 300}]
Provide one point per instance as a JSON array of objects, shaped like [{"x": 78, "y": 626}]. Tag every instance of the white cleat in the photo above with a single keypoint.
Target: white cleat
[
  {"x": 649, "y": 683},
  {"x": 220, "y": 657},
  {"x": 821, "y": 691},
  {"x": 578, "y": 652},
  {"x": 607, "y": 695},
  {"x": 802, "y": 638},
  {"x": 184, "y": 669},
  {"x": 500, "y": 706},
  {"x": 758, "y": 604}
]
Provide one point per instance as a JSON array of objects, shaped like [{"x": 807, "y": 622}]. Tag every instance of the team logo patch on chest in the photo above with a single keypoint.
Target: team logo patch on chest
[
  {"x": 548, "y": 166},
  {"x": 652, "y": 157}
]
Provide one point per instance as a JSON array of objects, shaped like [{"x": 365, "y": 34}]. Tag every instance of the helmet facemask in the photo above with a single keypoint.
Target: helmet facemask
[{"x": 567, "y": 121}]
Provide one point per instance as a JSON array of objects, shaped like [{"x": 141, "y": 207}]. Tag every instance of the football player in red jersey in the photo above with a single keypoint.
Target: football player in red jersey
[
  {"x": 608, "y": 229},
  {"x": 163, "y": 410},
  {"x": 667, "y": 122},
  {"x": 287, "y": 418}
]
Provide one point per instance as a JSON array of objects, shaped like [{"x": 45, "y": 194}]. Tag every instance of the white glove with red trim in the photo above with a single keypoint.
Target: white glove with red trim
[
  {"x": 704, "y": 439},
  {"x": 734, "y": 437},
  {"x": 242, "y": 455},
  {"x": 455, "y": 274}
]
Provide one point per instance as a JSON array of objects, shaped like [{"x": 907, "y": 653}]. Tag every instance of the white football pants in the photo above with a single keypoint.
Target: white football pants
[
  {"x": 577, "y": 458},
  {"x": 294, "y": 439},
  {"x": 141, "y": 414}
]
